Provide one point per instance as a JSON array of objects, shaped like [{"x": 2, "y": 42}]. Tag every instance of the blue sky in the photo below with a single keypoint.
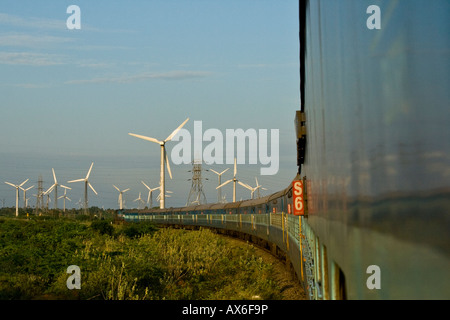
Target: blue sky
[{"x": 70, "y": 97}]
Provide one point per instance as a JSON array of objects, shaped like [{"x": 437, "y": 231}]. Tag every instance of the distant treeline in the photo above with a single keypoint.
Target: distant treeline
[{"x": 92, "y": 213}]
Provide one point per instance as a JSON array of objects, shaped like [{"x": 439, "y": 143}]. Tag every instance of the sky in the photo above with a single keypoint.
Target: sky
[{"x": 69, "y": 97}]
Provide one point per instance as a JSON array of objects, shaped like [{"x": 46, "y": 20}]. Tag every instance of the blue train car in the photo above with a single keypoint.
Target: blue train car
[{"x": 377, "y": 107}]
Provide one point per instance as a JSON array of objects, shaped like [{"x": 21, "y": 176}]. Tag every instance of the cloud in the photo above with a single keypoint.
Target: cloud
[
  {"x": 30, "y": 59},
  {"x": 30, "y": 22},
  {"x": 27, "y": 40},
  {"x": 170, "y": 75}
]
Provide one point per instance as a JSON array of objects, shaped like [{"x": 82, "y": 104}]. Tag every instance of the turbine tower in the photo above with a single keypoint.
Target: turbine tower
[
  {"x": 163, "y": 157},
  {"x": 219, "y": 191},
  {"x": 167, "y": 195},
  {"x": 120, "y": 200},
  {"x": 234, "y": 180},
  {"x": 17, "y": 186},
  {"x": 64, "y": 196},
  {"x": 55, "y": 187},
  {"x": 149, "y": 198},
  {"x": 25, "y": 195},
  {"x": 86, "y": 184}
]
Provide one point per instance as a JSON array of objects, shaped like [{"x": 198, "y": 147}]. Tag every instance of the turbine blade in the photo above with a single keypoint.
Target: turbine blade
[
  {"x": 65, "y": 187},
  {"x": 176, "y": 131},
  {"x": 145, "y": 185},
  {"x": 148, "y": 198},
  {"x": 49, "y": 189},
  {"x": 68, "y": 198},
  {"x": 125, "y": 190},
  {"x": 214, "y": 172},
  {"x": 145, "y": 138},
  {"x": 89, "y": 172},
  {"x": 168, "y": 164},
  {"x": 54, "y": 176},
  {"x": 245, "y": 185},
  {"x": 11, "y": 184},
  {"x": 226, "y": 182},
  {"x": 61, "y": 197},
  {"x": 116, "y": 188},
  {"x": 78, "y": 180},
  {"x": 224, "y": 171},
  {"x": 235, "y": 169},
  {"x": 90, "y": 185},
  {"x": 23, "y": 183}
]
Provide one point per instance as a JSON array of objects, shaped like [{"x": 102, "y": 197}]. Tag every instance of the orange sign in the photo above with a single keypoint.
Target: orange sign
[{"x": 299, "y": 209}]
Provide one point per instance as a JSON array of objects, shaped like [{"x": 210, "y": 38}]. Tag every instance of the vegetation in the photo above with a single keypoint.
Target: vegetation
[{"x": 129, "y": 261}]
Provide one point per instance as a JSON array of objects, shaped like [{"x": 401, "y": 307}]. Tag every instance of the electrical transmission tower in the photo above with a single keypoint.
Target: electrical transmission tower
[
  {"x": 39, "y": 195},
  {"x": 196, "y": 195}
]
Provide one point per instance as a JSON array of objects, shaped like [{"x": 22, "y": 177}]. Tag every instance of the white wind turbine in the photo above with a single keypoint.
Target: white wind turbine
[
  {"x": 86, "y": 184},
  {"x": 17, "y": 186},
  {"x": 140, "y": 201},
  {"x": 55, "y": 187},
  {"x": 219, "y": 191},
  {"x": 149, "y": 198},
  {"x": 64, "y": 196},
  {"x": 25, "y": 195},
  {"x": 163, "y": 158},
  {"x": 253, "y": 189},
  {"x": 259, "y": 187},
  {"x": 234, "y": 180},
  {"x": 121, "y": 196}
]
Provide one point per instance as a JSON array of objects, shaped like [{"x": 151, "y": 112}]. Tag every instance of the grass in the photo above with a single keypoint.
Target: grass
[{"x": 126, "y": 262}]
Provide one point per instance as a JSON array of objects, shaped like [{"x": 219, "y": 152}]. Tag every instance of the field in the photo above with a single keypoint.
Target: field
[{"x": 127, "y": 262}]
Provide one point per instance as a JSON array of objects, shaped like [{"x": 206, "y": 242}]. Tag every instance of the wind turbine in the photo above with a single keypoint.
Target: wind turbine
[
  {"x": 55, "y": 187},
  {"x": 139, "y": 201},
  {"x": 149, "y": 198},
  {"x": 65, "y": 197},
  {"x": 234, "y": 180},
  {"x": 25, "y": 195},
  {"x": 259, "y": 187},
  {"x": 121, "y": 196},
  {"x": 167, "y": 195},
  {"x": 86, "y": 184},
  {"x": 17, "y": 186},
  {"x": 219, "y": 191},
  {"x": 163, "y": 157},
  {"x": 26, "y": 202}
]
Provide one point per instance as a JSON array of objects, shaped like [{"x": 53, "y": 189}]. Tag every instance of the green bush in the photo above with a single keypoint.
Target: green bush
[
  {"x": 133, "y": 230},
  {"x": 102, "y": 227}
]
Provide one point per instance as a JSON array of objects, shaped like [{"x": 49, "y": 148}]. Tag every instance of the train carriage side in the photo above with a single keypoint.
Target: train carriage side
[{"x": 377, "y": 155}]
